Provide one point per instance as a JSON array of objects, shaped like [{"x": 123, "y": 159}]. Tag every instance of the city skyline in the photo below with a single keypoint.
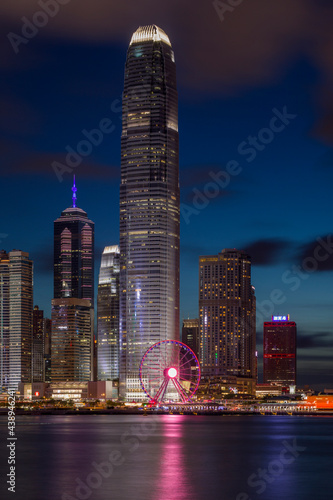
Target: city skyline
[{"x": 284, "y": 190}]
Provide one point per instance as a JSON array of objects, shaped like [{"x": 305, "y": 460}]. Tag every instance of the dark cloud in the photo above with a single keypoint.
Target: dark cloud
[
  {"x": 249, "y": 46},
  {"x": 253, "y": 42},
  {"x": 267, "y": 251},
  {"x": 196, "y": 175},
  {"x": 196, "y": 183},
  {"x": 43, "y": 164},
  {"x": 204, "y": 174},
  {"x": 317, "y": 255},
  {"x": 315, "y": 340}
]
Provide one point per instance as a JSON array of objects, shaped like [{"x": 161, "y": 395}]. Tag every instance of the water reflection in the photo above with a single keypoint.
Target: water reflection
[{"x": 172, "y": 479}]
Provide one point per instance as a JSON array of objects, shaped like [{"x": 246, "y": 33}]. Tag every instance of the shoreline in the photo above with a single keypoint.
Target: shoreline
[{"x": 61, "y": 412}]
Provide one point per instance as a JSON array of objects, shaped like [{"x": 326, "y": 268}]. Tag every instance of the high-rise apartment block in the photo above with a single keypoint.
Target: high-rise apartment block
[
  {"x": 226, "y": 315},
  {"x": 280, "y": 351},
  {"x": 149, "y": 203},
  {"x": 108, "y": 315}
]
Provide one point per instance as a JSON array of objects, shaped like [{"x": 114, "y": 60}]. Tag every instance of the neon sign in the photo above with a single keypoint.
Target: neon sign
[{"x": 280, "y": 318}]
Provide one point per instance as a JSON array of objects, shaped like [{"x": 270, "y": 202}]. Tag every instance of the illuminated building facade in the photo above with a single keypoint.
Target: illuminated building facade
[
  {"x": 108, "y": 314},
  {"x": 71, "y": 341},
  {"x": 47, "y": 349},
  {"x": 149, "y": 203},
  {"x": 190, "y": 334},
  {"x": 4, "y": 320},
  {"x": 74, "y": 254},
  {"x": 37, "y": 345},
  {"x": 227, "y": 315},
  {"x": 72, "y": 348},
  {"x": 16, "y": 303},
  {"x": 280, "y": 351}
]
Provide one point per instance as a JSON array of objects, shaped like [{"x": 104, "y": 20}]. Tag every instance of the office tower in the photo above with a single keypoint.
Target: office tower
[
  {"x": 71, "y": 341},
  {"x": 74, "y": 254},
  {"x": 47, "y": 349},
  {"x": 280, "y": 351},
  {"x": 108, "y": 315},
  {"x": 226, "y": 315},
  {"x": 72, "y": 306},
  {"x": 37, "y": 345},
  {"x": 149, "y": 203},
  {"x": 190, "y": 334},
  {"x": 16, "y": 296},
  {"x": 4, "y": 320}
]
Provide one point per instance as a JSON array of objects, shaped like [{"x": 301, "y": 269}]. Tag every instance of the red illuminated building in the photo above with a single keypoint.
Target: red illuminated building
[{"x": 280, "y": 351}]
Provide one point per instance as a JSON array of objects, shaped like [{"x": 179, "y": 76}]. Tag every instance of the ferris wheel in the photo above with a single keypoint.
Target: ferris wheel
[{"x": 169, "y": 371}]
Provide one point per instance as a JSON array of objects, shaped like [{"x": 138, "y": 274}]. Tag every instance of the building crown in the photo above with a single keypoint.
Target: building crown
[{"x": 150, "y": 33}]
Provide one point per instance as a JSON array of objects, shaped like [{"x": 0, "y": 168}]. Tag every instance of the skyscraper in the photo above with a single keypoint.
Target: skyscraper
[
  {"x": 16, "y": 302},
  {"x": 227, "y": 315},
  {"x": 37, "y": 345},
  {"x": 74, "y": 254},
  {"x": 73, "y": 303},
  {"x": 108, "y": 315},
  {"x": 190, "y": 334},
  {"x": 280, "y": 351},
  {"x": 71, "y": 340},
  {"x": 47, "y": 349},
  {"x": 4, "y": 319},
  {"x": 149, "y": 203}
]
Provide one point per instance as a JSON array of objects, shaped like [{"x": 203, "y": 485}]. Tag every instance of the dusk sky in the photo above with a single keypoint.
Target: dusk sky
[{"x": 255, "y": 88}]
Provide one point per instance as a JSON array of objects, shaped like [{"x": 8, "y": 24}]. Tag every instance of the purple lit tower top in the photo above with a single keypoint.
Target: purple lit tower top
[
  {"x": 74, "y": 253},
  {"x": 74, "y": 189}
]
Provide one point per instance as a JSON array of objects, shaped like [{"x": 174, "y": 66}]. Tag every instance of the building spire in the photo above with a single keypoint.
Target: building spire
[{"x": 74, "y": 189}]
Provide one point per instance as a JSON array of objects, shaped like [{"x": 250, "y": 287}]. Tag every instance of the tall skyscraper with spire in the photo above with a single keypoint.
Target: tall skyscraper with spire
[
  {"x": 73, "y": 303},
  {"x": 149, "y": 203},
  {"x": 74, "y": 253}
]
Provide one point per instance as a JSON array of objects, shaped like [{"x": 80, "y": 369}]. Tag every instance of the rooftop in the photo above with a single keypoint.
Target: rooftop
[{"x": 150, "y": 33}]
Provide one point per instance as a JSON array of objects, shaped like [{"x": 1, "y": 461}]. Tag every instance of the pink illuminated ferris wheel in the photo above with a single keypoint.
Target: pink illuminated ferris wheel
[{"x": 169, "y": 371}]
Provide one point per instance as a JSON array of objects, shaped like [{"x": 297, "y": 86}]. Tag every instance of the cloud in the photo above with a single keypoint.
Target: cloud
[
  {"x": 317, "y": 255},
  {"x": 41, "y": 164},
  {"x": 252, "y": 45},
  {"x": 267, "y": 251},
  {"x": 196, "y": 178},
  {"x": 315, "y": 340}
]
